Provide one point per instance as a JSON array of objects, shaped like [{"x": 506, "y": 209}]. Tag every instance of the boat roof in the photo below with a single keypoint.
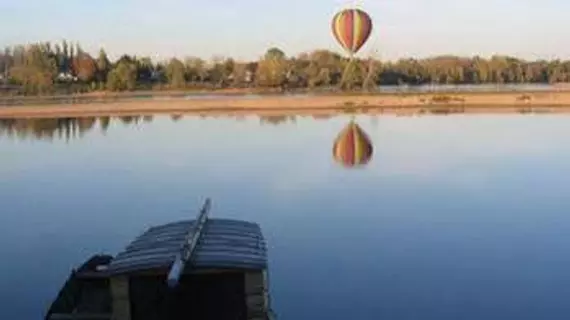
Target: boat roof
[{"x": 223, "y": 244}]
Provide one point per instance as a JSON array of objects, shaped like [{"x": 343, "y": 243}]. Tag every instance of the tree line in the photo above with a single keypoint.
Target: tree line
[{"x": 45, "y": 68}]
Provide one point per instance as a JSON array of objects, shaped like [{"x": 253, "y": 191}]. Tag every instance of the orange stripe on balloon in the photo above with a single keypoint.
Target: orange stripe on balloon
[
  {"x": 352, "y": 144},
  {"x": 339, "y": 147},
  {"x": 346, "y": 29},
  {"x": 349, "y": 29}
]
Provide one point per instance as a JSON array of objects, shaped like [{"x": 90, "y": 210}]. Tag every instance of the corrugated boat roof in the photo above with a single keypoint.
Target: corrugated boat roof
[{"x": 224, "y": 243}]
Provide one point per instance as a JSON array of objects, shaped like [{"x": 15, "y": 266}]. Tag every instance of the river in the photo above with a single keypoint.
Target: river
[{"x": 454, "y": 217}]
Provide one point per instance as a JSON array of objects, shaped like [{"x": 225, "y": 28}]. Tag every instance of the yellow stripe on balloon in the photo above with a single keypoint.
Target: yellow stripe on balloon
[
  {"x": 339, "y": 27},
  {"x": 358, "y": 152},
  {"x": 356, "y": 29}
]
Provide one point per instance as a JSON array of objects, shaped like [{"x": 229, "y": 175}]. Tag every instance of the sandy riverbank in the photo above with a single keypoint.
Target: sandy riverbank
[{"x": 332, "y": 104}]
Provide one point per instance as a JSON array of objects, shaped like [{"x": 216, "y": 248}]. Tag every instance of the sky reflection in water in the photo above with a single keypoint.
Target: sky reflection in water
[{"x": 455, "y": 217}]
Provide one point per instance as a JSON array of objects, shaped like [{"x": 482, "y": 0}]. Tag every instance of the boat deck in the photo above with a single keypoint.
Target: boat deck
[{"x": 223, "y": 244}]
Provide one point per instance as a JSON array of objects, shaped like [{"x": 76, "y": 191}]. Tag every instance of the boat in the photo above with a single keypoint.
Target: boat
[{"x": 194, "y": 269}]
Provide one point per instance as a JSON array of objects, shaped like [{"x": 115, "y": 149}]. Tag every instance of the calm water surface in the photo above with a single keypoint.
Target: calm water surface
[{"x": 455, "y": 217}]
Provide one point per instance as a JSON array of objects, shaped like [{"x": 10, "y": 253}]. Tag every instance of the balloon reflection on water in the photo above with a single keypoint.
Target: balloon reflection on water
[{"x": 352, "y": 147}]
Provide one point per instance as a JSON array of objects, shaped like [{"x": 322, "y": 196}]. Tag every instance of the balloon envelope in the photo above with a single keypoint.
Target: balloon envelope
[
  {"x": 352, "y": 147},
  {"x": 351, "y": 28}
]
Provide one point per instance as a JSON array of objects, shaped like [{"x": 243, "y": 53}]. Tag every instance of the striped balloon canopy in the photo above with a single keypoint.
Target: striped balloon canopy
[
  {"x": 351, "y": 29},
  {"x": 352, "y": 147}
]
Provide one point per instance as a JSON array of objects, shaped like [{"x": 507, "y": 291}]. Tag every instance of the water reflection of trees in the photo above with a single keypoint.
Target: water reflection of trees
[
  {"x": 73, "y": 128},
  {"x": 283, "y": 119},
  {"x": 278, "y": 119},
  {"x": 62, "y": 128},
  {"x": 49, "y": 128}
]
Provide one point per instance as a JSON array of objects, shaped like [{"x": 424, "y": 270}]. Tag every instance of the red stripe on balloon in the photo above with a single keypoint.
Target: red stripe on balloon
[{"x": 348, "y": 28}]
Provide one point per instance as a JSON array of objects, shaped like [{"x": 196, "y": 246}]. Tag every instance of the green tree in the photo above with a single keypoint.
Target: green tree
[
  {"x": 122, "y": 77},
  {"x": 145, "y": 69},
  {"x": 175, "y": 74},
  {"x": 274, "y": 53},
  {"x": 104, "y": 123},
  {"x": 36, "y": 71},
  {"x": 195, "y": 69},
  {"x": 103, "y": 66},
  {"x": 272, "y": 69}
]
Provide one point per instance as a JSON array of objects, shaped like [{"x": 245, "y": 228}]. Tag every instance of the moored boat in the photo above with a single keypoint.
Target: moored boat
[{"x": 195, "y": 269}]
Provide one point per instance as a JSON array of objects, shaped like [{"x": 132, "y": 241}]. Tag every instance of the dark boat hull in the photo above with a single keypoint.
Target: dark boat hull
[{"x": 85, "y": 294}]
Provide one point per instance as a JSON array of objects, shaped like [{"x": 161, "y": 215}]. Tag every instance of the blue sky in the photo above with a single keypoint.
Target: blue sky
[{"x": 244, "y": 29}]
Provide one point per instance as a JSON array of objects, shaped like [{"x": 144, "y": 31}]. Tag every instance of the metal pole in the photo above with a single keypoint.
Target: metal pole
[{"x": 188, "y": 246}]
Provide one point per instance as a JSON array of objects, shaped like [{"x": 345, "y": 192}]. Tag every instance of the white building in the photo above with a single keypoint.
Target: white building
[{"x": 66, "y": 76}]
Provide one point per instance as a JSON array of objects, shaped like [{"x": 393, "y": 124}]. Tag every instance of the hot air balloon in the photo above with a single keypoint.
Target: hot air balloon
[
  {"x": 351, "y": 29},
  {"x": 352, "y": 147}
]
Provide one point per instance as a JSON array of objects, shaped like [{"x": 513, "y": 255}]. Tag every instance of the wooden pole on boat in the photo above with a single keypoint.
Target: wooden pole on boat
[{"x": 188, "y": 246}]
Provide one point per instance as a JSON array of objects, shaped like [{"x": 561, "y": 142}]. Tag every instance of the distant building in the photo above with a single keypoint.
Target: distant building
[
  {"x": 248, "y": 76},
  {"x": 156, "y": 75},
  {"x": 66, "y": 76}
]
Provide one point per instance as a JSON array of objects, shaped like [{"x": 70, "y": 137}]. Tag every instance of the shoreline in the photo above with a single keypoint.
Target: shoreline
[
  {"x": 269, "y": 92},
  {"x": 324, "y": 104},
  {"x": 154, "y": 93}
]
